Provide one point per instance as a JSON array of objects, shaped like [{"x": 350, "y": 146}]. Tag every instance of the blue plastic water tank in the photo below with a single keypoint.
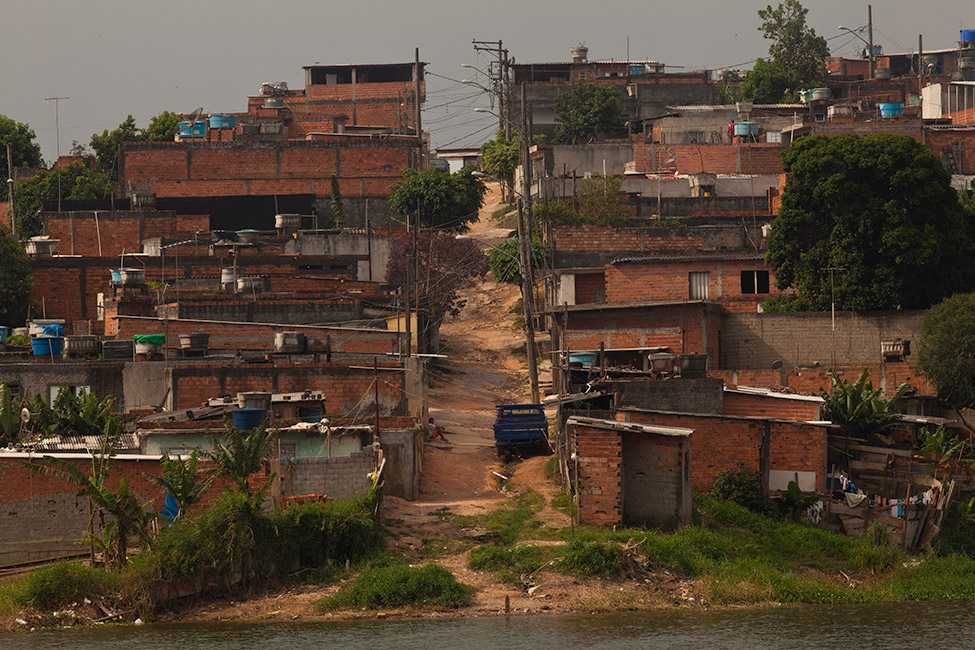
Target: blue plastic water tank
[
  {"x": 247, "y": 418},
  {"x": 199, "y": 128},
  {"x": 967, "y": 36},
  {"x": 223, "y": 121},
  {"x": 47, "y": 345},
  {"x": 746, "y": 128},
  {"x": 891, "y": 109}
]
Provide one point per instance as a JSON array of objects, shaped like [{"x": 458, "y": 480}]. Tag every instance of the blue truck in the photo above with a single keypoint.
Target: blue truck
[{"x": 520, "y": 426}]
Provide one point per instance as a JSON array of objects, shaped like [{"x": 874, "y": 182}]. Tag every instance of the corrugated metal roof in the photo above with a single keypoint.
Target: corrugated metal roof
[
  {"x": 731, "y": 107},
  {"x": 630, "y": 427},
  {"x": 690, "y": 258},
  {"x": 358, "y": 65},
  {"x": 79, "y": 443},
  {"x": 590, "y": 62}
]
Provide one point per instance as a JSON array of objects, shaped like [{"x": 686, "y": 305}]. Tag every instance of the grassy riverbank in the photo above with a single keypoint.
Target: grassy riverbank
[{"x": 728, "y": 556}]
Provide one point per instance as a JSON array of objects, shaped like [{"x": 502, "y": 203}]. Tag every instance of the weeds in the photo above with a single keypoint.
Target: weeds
[
  {"x": 62, "y": 583},
  {"x": 509, "y": 521},
  {"x": 590, "y": 559},
  {"x": 396, "y": 585},
  {"x": 507, "y": 565}
]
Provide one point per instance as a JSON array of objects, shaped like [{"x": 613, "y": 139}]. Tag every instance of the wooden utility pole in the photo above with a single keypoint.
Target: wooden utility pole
[
  {"x": 416, "y": 102},
  {"x": 375, "y": 392},
  {"x": 870, "y": 36},
  {"x": 10, "y": 187},
  {"x": 406, "y": 289},
  {"x": 525, "y": 251}
]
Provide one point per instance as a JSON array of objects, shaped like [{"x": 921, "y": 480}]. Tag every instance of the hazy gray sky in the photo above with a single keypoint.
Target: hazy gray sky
[{"x": 113, "y": 58}]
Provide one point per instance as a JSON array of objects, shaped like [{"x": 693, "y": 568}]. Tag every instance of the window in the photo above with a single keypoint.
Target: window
[
  {"x": 693, "y": 137},
  {"x": 698, "y": 282},
  {"x": 77, "y": 391},
  {"x": 754, "y": 281}
]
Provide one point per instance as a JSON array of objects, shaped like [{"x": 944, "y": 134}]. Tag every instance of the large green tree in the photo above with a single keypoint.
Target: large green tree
[
  {"x": 765, "y": 83},
  {"x": 162, "y": 127},
  {"x": 947, "y": 350},
  {"x": 26, "y": 152},
  {"x": 881, "y": 212},
  {"x": 445, "y": 201},
  {"x": 586, "y": 111},
  {"x": 16, "y": 281},
  {"x": 106, "y": 146},
  {"x": 795, "y": 49},
  {"x": 77, "y": 182}
]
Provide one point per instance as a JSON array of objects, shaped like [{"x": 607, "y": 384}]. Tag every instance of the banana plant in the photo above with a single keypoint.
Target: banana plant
[
  {"x": 181, "y": 480},
  {"x": 128, "y": 518},
  {"x": 859, "y": 409}
]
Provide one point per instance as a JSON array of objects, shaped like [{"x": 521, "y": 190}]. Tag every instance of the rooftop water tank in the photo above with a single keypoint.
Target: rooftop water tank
[
  {"x": 891, "y": 109},
  {"x": 967, "y": 36},
  {"x": 580, "y": 54},
  {"x": 223, "y": 121},
  {"x": 746, "y": 128},
  {"x": 819, "y": 94}
]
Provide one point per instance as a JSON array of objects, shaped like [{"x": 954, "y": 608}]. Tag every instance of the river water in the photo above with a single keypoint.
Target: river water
[{"x": 900, "y": 626}]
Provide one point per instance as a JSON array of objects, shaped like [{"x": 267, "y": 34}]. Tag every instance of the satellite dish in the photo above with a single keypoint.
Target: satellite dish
[
  {"x": 25, "y": 415},
  {"x": 777, "y": 364},
  {"x": 194, "y": 117}
]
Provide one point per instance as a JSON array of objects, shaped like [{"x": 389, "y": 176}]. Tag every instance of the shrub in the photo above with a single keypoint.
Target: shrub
[
  {"x": 396, "y": 585},
  {"x": 63, "y": 583},
  {"x": 590, "y": 559},
  {"x": 506, "y": 563},
  {"x": 744, "y": 487},
  {"x": 873, "y": 551}
]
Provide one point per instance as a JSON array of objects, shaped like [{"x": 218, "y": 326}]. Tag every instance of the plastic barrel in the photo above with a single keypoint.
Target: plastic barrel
[{"x": 248, "y": 417}]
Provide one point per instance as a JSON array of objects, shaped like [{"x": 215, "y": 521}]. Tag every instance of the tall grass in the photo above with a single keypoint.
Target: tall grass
[{"x": 397, "y": 584}]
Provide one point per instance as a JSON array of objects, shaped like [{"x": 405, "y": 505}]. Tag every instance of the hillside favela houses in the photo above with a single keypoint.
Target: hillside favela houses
[{"x": 227, "y": 334}]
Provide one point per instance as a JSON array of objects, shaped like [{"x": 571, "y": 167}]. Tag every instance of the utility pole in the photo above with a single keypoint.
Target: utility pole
[
  {"x": 527, "y": 276},
  {"x": 501, "y": 82},
  {"x": 57, "y": 139},
  {"x": 10, "y": 188},
  {"x": 870, "y": 36},
  {"x": 416, "y": 102}
]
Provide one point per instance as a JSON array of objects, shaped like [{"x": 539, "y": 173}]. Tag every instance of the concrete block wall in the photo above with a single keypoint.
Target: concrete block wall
[
  {"x": 340, "y": 478},
  {"x": 807, "y": 338},
  {"x": 42, "y": 517}
]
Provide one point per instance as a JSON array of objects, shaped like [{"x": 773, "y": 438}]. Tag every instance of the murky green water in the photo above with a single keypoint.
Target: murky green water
[{"x": 927, "y": 626}]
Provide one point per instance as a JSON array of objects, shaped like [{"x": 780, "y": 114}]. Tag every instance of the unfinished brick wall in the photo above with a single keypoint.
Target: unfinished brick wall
[
  {"x": 349, "y": 392},
  {"x": 600, "y": 453},
  {"x": 109, "y": 234},
  {"x": 746, "y": 158},
  {"x": 781, "y": 408},
  {"x": 255, "y": 336},
  {"x": 571, "y": 239},
  {"x": 681, "y": 328},
  {"x": 668, "y": 280},
  {"x": 364, "y": 167},
  {"x": 722, "y": 442}
]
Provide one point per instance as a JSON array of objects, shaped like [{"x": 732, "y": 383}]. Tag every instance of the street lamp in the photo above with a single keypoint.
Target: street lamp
[
  {"x": 869, "y": 44},
  {"x": 525, "y": 270}
]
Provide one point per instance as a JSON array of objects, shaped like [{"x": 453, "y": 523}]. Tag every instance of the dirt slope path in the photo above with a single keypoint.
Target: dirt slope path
[{"x": 483, "y": 369}]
